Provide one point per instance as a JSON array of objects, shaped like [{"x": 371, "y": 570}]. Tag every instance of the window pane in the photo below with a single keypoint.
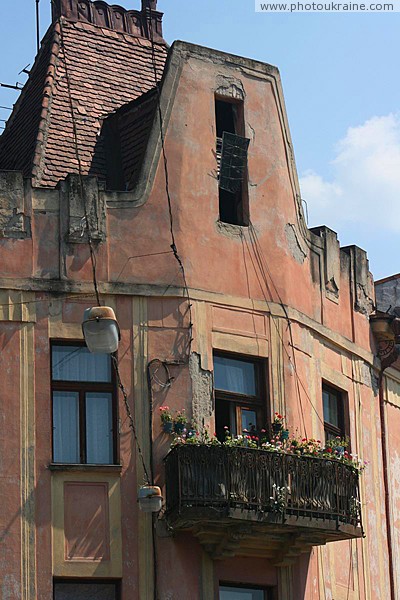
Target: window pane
[
  {"x": 232, "y": 375},
  {"x": 331, "y": 408},
  {"x": 76, "y": 363},
  {"x": 99, "y": 433},
  {"x": 249, "y": 419},
  {"x": 66, "y": 427},
  {"x": 84, "y": 591},
  {"x": 232, "y": 593}
]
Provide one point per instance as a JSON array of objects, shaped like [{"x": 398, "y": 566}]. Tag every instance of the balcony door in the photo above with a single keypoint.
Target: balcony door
[{"x": 239, "y": 386}]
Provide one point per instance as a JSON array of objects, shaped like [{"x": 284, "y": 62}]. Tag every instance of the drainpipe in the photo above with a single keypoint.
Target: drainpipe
[
  {"x": 386, "y": 485},
  {"x": 386, "y": 330}
]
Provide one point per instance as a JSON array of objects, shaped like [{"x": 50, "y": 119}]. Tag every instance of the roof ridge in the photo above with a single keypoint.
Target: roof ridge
[
  {"x": 146, "y": 22},
  {"x": 41, "y": 137}
]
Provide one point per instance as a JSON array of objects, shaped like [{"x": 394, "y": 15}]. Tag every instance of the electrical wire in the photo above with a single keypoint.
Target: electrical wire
[
  {"x": 165, "y": 163},
  {"x": 130, "y": 417},
  {"x": 77, "y": 295},
  {"x": 77, "y": 155},
  {"x": 93, "y": 256},
  {"x": 267, "y": 301},
  {"x": 263, "y": 261}
]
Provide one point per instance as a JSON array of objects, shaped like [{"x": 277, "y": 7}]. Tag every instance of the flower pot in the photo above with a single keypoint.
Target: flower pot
[
  {"x": 167, "y": 426},
  {"x": 285, "y": 434},
  {"x": 179, "y": 427}
]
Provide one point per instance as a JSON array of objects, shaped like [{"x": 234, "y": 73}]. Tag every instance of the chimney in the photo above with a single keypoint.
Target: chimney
[{"x": 114, "y": 17}]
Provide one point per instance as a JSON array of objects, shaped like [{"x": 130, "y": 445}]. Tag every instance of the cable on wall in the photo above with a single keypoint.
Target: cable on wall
[
  {"x": 93, "y": 256},
  {"x": 166, "y": 174},
  {"x": 292, "y": 360},
  {"x": 93, "y": 259},
  {"x": 148, "y": 479}
]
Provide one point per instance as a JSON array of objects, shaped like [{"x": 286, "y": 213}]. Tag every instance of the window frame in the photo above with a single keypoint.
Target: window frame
[
  {"x": 82, "y": 387},
  {"x": 343, "y": 431},
  {"x": 258, "y": 402},
  {"x": 241, "y": 197},
  {"x": 80, "y": 580},
  {"x": 269, "y": 592}
]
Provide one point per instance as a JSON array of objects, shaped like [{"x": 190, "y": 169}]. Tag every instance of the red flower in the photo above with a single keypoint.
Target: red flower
[{"x": 329, "y": 450}]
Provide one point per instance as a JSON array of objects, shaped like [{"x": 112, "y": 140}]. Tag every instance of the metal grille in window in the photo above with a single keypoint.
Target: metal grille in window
[
  {"x": 233, "y": 161},
  {"x": 218, "y": 153}
]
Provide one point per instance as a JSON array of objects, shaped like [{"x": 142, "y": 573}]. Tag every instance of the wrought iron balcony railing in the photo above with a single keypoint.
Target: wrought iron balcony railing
[{"x": 317, "y": 498}]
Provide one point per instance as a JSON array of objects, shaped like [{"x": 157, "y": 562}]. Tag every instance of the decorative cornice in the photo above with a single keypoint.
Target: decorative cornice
[{"x": 97, "y": 12}]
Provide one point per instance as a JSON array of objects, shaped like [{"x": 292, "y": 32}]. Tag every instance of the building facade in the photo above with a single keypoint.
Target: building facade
[{"x": 180, "y": 203}]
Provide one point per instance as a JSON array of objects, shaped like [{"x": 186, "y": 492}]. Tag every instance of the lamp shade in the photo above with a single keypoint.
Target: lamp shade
[
  {"x": 101, "y": 330},
  {"x": 150, "y": 499}
]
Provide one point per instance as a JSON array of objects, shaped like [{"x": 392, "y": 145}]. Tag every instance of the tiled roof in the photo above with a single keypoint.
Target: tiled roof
[
  {"x": 23, "y": 131},
  {"x": 106, "y": 69}
]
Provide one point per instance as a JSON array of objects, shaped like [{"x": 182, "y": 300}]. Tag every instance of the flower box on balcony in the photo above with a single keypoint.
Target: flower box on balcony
[{"x": 263, "y": 493}]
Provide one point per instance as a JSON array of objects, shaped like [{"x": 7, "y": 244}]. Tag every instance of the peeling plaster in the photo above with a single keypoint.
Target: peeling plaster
[
  {"x": 202, "y": 389},
  {"x": 293, "y": 243}
]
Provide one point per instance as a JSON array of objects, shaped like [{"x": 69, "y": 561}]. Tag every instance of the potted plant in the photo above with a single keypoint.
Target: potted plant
[
  {"x": 277, "y": 423},
  {"x": 166, "y": 419},
  {"x": 180, "y": 421},
  {"x": 284, "y": 434}
]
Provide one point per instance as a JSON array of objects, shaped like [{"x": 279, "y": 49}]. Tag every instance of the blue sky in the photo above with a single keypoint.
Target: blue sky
[{"x": 342, "y": 89}]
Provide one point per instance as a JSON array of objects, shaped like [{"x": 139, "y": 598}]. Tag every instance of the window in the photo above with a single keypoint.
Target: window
[
  {"x": 238, "y": 394},
  {"x": 227, "y": 592},
  {"x": 335, "y": 416},
  {"x": 84, "y": 408},
  {"x": 233, "y": 203},
  {"x": 72, "y": 590}
]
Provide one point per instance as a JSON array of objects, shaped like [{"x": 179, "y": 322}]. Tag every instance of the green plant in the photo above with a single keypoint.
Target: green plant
[
  {"x": 197, "y": 438},
  {"x": 278, "y": 421},
  {"x": 165, "y": 414},
  {"x": 279, "y": 498},
  {"x": 241, "y": 441},
  {"x": 181, "y": 417},
  {"x": 355, "y": 507}
]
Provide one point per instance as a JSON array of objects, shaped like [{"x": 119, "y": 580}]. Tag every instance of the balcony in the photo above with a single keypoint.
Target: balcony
[{"x": 249, "y": 502}]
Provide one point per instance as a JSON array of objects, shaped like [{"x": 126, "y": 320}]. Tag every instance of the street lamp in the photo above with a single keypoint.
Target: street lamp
[{"x": 100, "y": 329}]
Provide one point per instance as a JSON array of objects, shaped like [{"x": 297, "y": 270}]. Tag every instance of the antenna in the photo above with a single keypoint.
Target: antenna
[
  {"x": 25, "y": 69},
  {"x": 37, "y": 26},
  {"x": 17, "y": 86}
]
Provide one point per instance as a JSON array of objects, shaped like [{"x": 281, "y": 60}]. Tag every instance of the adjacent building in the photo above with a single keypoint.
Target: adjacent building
[{"x": 165, "y": 177}]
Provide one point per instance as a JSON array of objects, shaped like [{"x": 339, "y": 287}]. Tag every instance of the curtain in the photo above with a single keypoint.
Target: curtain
[
  {"x": 76, "y": 363},
  {"x": 99, "y": 433},
  {"x": 232, "y": 375},
  {"x": 66, "y": 427}
]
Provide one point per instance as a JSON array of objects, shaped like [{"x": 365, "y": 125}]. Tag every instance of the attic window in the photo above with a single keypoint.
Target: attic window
[{"x": 231, "y": 151}]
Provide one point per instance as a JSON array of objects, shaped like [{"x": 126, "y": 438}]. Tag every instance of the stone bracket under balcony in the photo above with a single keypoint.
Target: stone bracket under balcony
[{"x": 248, "y": 502}]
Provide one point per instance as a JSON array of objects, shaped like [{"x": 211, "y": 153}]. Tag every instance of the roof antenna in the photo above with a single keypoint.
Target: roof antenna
[{"x": 37, "y": 26}]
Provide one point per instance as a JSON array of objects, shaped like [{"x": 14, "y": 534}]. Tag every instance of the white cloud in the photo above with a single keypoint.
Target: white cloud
[{"x": 365, "y": 187}]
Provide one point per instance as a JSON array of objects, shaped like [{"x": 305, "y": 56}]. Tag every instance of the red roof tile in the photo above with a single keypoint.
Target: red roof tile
[{"x": 106, "y": 70}]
